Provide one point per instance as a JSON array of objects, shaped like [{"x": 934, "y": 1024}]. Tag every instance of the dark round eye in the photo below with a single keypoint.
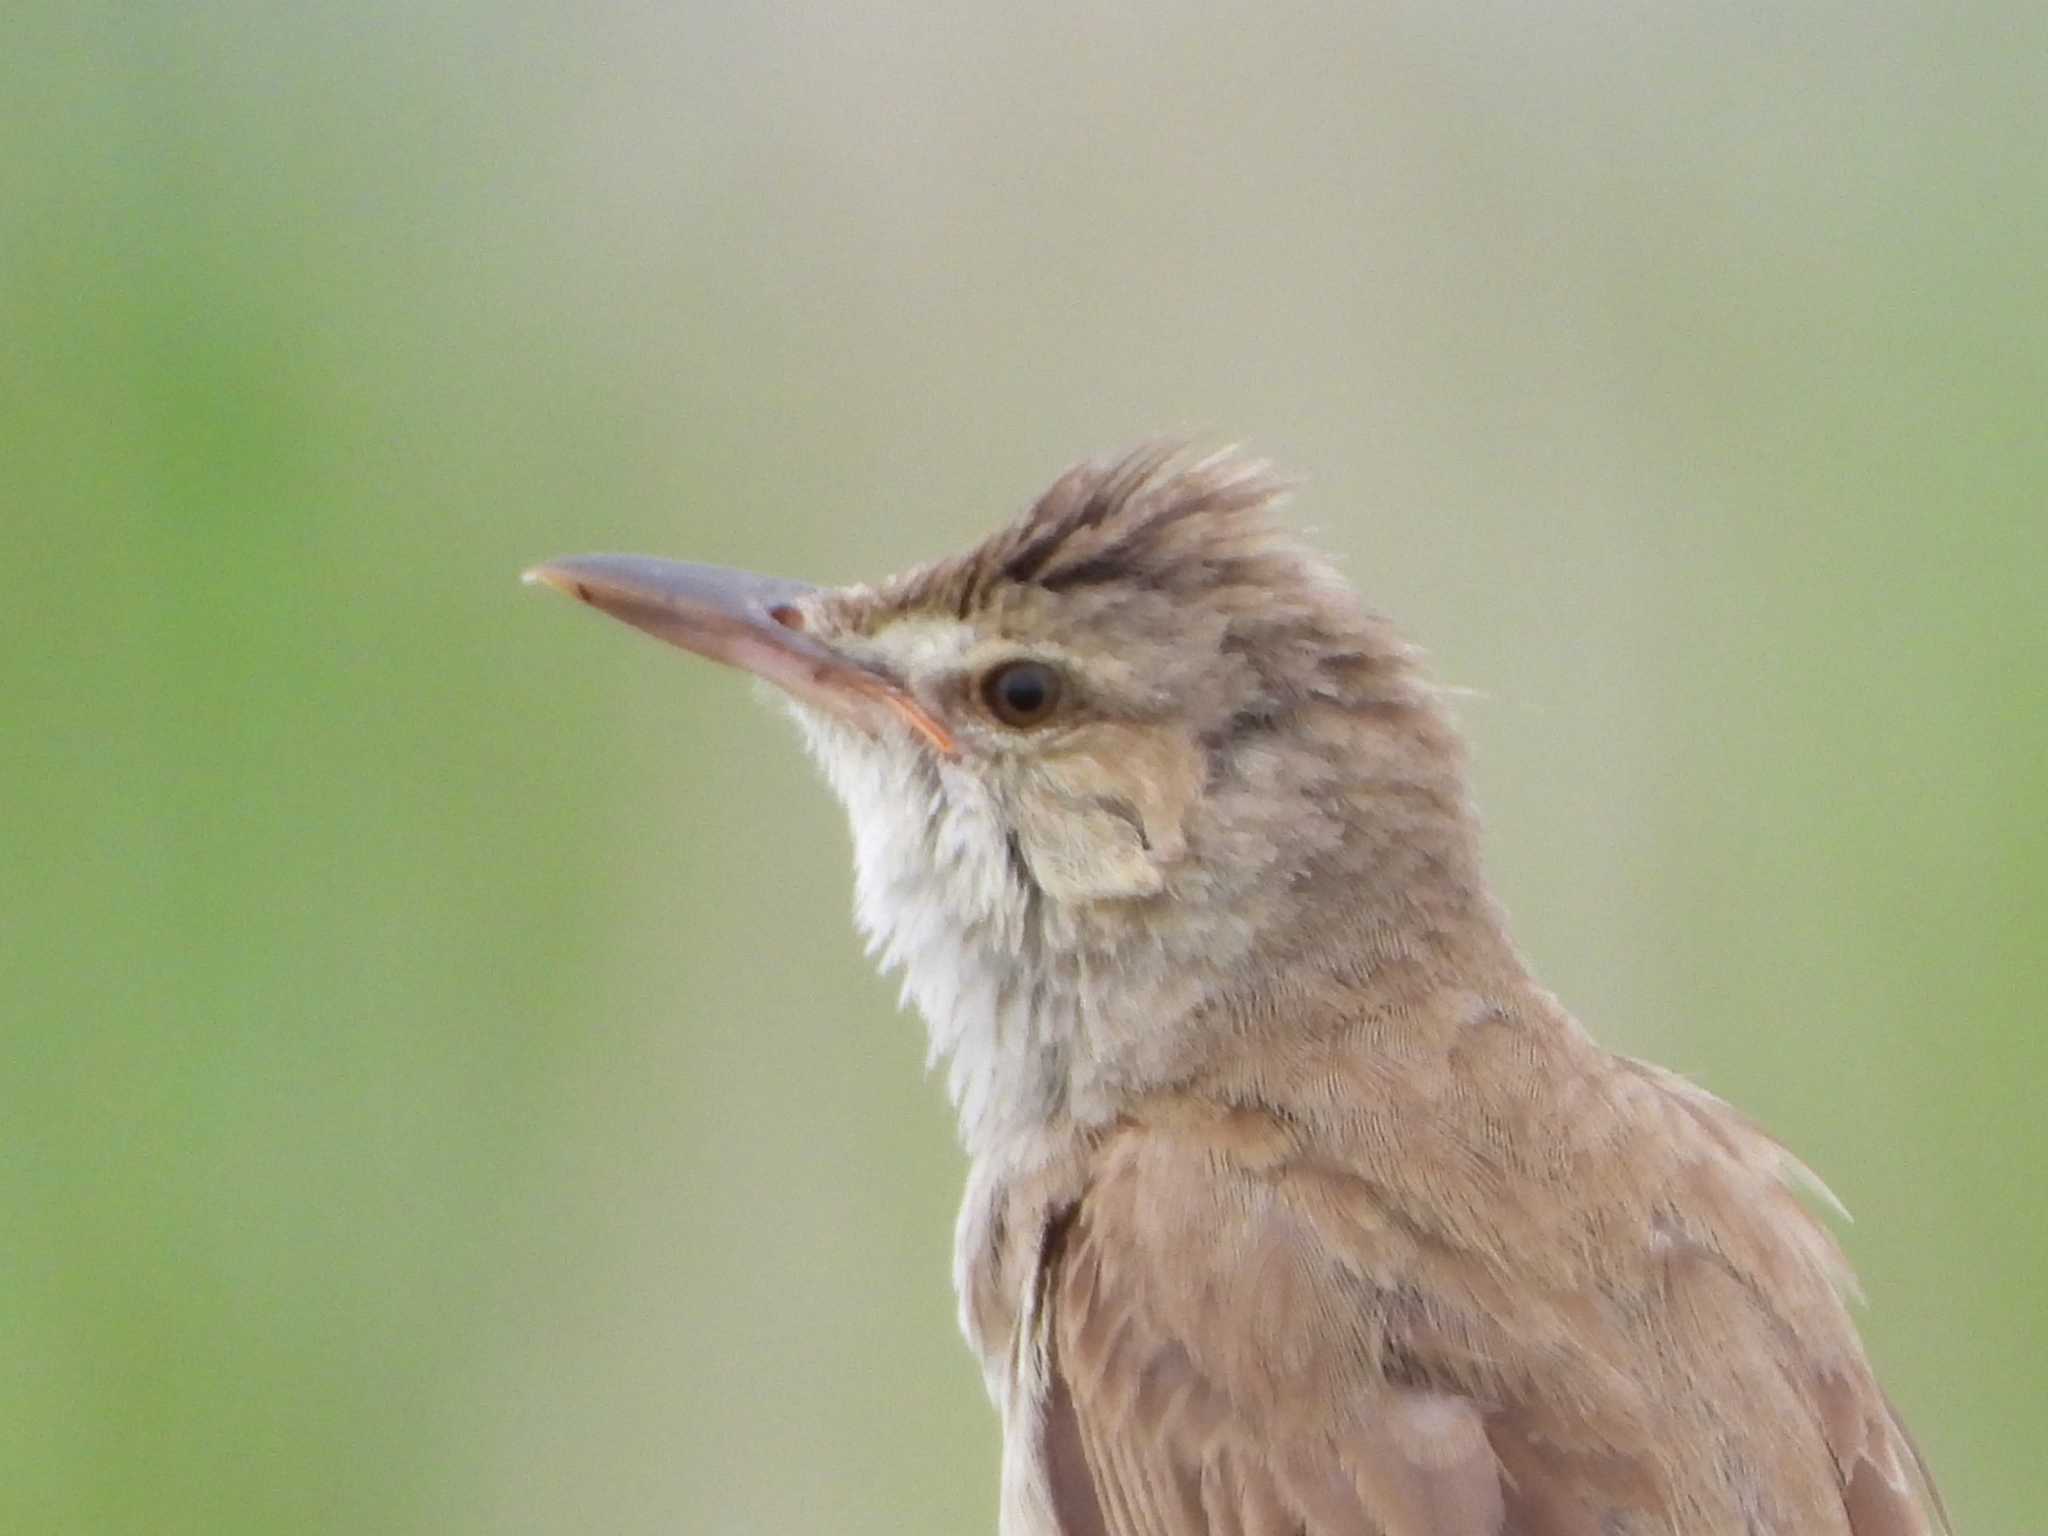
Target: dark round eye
[{"x": 1021, "y": 693}]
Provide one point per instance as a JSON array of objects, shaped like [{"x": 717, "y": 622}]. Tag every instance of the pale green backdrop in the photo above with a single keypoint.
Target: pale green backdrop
[{"x": 442, "y": 1092}]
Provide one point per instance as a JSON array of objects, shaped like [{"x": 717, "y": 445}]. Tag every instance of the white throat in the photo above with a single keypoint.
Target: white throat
[{"x": 941, "y": 899}]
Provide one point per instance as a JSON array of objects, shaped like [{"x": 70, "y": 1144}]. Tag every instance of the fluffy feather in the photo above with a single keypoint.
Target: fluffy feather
[{"x": 1296, "y": 1204}]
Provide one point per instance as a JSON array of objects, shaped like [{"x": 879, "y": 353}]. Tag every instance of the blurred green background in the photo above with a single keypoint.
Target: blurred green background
[{"x": 442, "y": 1090}]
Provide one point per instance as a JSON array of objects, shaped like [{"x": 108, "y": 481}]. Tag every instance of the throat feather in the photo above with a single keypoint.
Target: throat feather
[{"x": 945, "y": 900}]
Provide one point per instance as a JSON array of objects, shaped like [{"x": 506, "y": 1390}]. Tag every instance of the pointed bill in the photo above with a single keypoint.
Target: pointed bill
[{"x": 743, "y": 620}]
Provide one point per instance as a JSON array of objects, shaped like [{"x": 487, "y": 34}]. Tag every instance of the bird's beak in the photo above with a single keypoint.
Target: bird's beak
[{"x": 746, "y": 621}]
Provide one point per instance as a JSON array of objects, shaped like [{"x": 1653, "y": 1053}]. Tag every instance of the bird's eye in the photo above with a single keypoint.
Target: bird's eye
[{"x": 1021, "y": 693}]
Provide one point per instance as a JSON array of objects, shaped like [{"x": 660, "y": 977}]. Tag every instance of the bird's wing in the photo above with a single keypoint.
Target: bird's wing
[
  {"x": 1206, "y": 1364},
  {"x": 1203, "y": 1374}
]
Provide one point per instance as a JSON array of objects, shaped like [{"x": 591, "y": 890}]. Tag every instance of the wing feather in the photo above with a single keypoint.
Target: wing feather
[{"x": 1215, "y": 1363}]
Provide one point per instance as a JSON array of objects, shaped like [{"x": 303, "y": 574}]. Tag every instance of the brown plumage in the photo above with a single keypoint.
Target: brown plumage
[{"x": 1297, "y": 1207}]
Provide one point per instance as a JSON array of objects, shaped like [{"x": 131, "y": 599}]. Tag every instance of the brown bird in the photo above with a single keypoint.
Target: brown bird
[{"x": 1296, "y": 1206}]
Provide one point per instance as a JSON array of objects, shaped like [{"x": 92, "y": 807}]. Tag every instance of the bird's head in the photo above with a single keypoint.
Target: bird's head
[{"x": 1137, "y": 754}]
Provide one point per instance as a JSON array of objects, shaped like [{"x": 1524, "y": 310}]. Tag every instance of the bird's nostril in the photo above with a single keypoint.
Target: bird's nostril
[{"x": 786, "y": 616}]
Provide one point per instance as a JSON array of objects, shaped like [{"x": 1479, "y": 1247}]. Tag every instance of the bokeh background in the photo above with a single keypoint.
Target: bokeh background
[{"x": 442, "y": 1090}]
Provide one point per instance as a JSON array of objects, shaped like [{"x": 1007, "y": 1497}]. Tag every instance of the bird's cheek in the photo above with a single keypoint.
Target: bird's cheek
[
  {"x": 1105, "y": 820},
  {"x": 1082, "y": 852}
]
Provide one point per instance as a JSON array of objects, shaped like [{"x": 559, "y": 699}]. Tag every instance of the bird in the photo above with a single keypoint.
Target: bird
[{"x": 1295, "y": 1205}]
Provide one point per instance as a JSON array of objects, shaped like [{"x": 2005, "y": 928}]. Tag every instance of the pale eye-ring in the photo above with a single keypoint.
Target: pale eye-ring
[{"x": 1021, "y": 694}]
